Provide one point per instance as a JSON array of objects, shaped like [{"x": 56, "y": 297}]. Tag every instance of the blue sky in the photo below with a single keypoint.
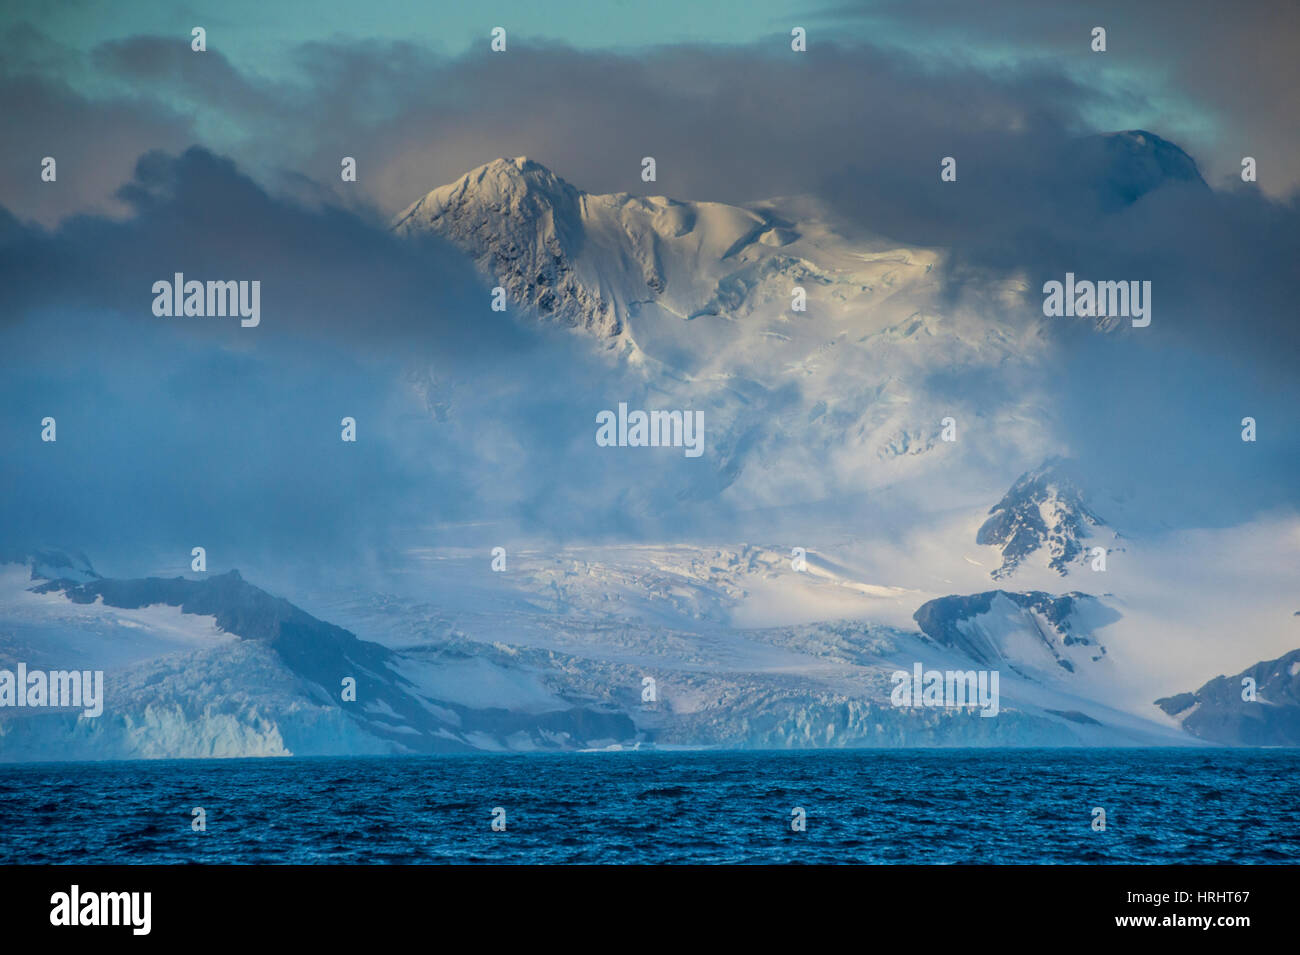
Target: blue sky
[{"x": 254, "y": 33}]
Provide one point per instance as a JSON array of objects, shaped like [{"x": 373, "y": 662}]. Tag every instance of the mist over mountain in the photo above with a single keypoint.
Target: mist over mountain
[
  {"x": 1043, "y": 513},
  {"x": 871, "y": 459},
  {"x": 822, "y": 409}
]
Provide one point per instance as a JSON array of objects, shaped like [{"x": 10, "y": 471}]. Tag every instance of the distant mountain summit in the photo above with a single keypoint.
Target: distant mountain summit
[
  {"x": 592, "y": 261},
  {"x": 784, "y": 332},
  {"x": 814, "y": 353},
  {"x": 524, "y": 227},
  {"x": 1043, "y": 512},
  {"x": 1123, "y": 167}
]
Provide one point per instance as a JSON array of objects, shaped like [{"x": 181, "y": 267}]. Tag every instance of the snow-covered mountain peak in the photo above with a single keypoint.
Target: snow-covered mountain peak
[
  {"x": 524, "y": 228},
  {"x": 638, "y": 266},
  {"x": 1043, "y": 511},
  {"x": 517, "y": 188},
  {"x": 797, "y": 341},
  {"x": 1031, "y": 633}
]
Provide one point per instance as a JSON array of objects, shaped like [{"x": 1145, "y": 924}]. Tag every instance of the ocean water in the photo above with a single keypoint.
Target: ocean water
[{"x": 872, "y": 806}]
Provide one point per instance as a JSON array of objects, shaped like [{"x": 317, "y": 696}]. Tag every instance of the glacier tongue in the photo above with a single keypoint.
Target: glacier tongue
[{"x": 560, "y": 666}]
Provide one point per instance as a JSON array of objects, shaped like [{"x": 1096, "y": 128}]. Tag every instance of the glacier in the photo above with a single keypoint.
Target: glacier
[{"x": 830, "y": 535}]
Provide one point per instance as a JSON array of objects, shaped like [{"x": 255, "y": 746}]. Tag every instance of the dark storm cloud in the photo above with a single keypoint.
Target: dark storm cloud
[
  {"x": 1228, "y": 74},
  {"x": 177, "y": 431},
  {"x": 324, "y": 271},
  {"x": 863, "y": 127},
  {"x": 163, "y": 64},
  {"x": 725, "y": 124},
  {"x": 95, "y": 144}
]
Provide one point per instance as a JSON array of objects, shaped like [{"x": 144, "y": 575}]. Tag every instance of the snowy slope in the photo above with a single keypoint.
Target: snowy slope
[
  {"x": 1043, "y": 514},
  {"x": 702, "y": 623},
  {"x": 697, "y": 296},
  {"x": 824, "y": 437},
  {"x": 825, "y": 427},
  {"x": 219, "y": 668}
]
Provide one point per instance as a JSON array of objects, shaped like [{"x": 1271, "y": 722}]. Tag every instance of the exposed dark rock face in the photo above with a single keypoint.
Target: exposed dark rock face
[
  {"x": 953, "y": 622},
  {"x": 1218, "y": 713},
  {"x": 1045, "y": 511}
]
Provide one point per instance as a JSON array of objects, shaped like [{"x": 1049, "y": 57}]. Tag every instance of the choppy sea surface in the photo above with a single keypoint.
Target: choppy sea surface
[{"x": 864, "y": 806}]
